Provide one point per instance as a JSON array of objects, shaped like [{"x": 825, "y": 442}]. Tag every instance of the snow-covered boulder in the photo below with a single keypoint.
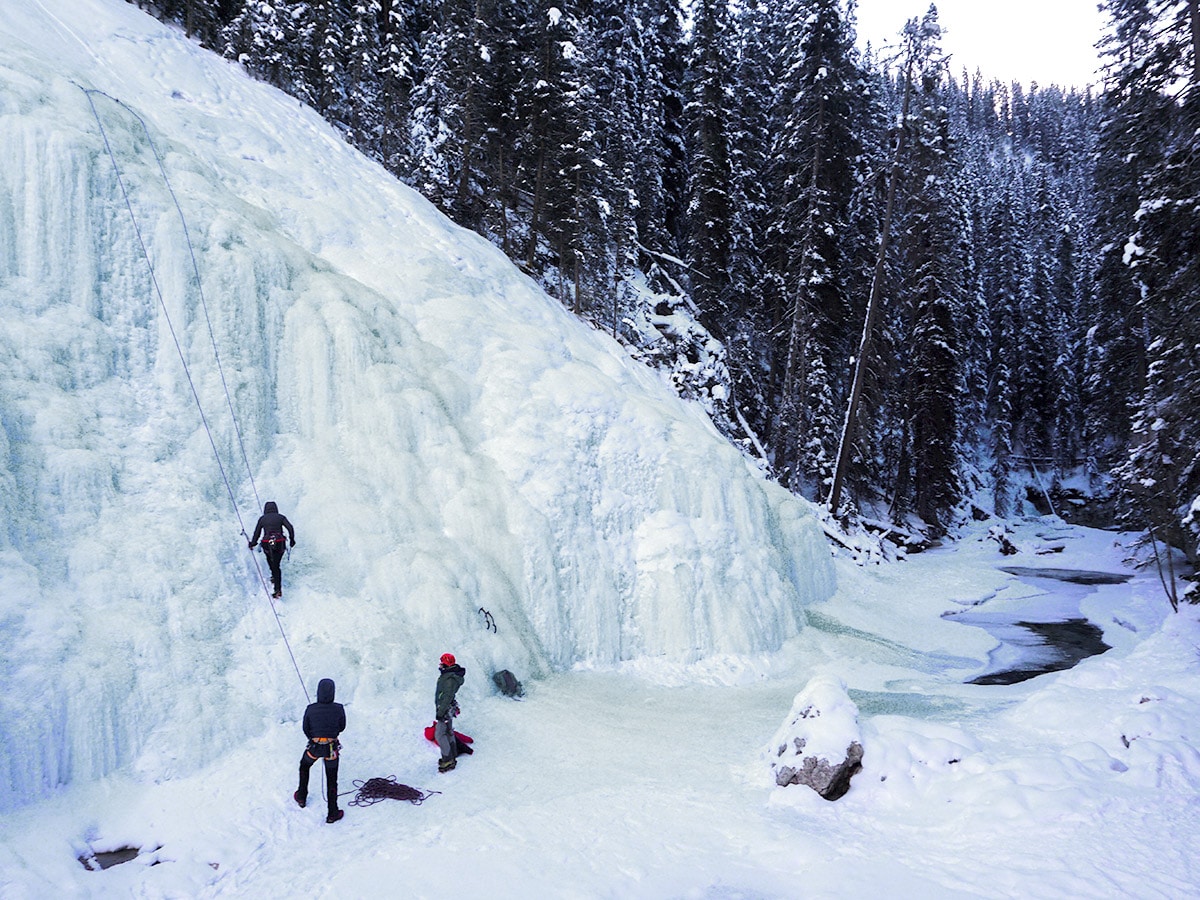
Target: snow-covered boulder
[{"x": 819, "y": 744}]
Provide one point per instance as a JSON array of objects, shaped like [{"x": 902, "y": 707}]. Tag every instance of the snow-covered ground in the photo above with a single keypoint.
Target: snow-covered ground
[
  {"x": 652, "y": 780},
  {"x": 449, "y": 441}
]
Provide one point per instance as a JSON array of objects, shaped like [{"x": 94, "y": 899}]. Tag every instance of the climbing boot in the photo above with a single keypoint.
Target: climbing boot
[
  {"x": 446, "y": 764},
  {"x": 335, "y": 816},
  {"x": 300, "y": 800}
]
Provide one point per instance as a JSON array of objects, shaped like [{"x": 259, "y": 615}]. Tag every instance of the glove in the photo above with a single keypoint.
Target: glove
[
  {"x": 253, "y": 544},
  {"x": 293, "y": 542},
  {"x": 456, "y": 711}
]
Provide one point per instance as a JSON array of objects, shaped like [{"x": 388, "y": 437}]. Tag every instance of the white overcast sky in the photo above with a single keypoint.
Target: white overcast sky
[{"x": 1047, "y": 41}]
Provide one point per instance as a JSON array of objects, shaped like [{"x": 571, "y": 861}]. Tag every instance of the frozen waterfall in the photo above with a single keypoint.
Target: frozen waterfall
[{"x": 444, "y": 436}]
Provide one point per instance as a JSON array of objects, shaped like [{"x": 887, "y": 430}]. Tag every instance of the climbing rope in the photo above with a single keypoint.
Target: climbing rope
[
  {"x": 89, "y": 93},
  {"x": 203, "y": 303},
  {"x": 373, "y": 790}
]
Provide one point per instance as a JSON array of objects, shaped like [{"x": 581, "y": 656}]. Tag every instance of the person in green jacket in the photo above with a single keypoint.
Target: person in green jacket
[{"x": 450, "y": 679}]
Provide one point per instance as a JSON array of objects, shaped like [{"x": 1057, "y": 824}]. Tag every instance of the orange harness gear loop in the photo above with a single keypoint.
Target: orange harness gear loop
[{"x": 332, "y": 743}]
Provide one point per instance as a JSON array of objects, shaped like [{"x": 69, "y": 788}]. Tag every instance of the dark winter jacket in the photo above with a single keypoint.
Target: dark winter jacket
[
  {"x": 272, "y": 521},
  {"x": 324, "y": 718},
  {"x": 448, "y": 683}
]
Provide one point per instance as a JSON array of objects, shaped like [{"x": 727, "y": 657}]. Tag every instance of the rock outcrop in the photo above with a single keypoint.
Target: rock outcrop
[{"x": 819, "y": 744}]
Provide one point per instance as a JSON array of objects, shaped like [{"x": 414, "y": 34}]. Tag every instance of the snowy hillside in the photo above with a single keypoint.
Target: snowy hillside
[{"x": 444, "y": 437}]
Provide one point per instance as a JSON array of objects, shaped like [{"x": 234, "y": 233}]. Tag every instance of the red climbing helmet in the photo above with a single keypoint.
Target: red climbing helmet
[{"x": 447, "y": 659}]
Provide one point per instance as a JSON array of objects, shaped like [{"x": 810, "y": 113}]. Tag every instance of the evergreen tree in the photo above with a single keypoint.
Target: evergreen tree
[
  {"x": 201, "y": 20},
  {"x": 749, "y": 142},
  {"x": 1067, "y": 418},
  {"x": 1004, "y": 497},
  {"x": 873, "y": 430},
  {"x": 931, "y": 250},
  {"x": 814, "y": 153},
  {"x": 975, "y": 180},
  {"x": 1130, "y": 146},
  {"x": 1153, "y": 88},
  {"x": 322, "y": 45},
  {"x": 616, "y": 73},
  {"x": 448, "y": 109},
  {"x": 661, "y": 139},
  {"x": 361, "y": 110},
  {"x": 1168, "y": 425},
  {"x": 259, "y": 37},
  {"x": 710, "y": 205},
  {"x": 1035, "y": 347},
  {"x": 560, "y": 146},
  {"x": 634, "y": 74},
  {"x": 399, "y": 24},
  {"x": 502, "y": 129},
  {"x": 1005, "y": 280}
]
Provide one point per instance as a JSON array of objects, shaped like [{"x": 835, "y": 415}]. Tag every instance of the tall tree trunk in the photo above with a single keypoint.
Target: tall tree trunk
[
  {"x": 571, "y": 245},
  {"x": 797, "y": 355},
  {"x": 466, "y": 206},
  {"x": 873, "y": 303},
  {"x": 1194, "y": 10},
  {"x": 535, "y": 214},
  {"x": 502, "y": 199}
]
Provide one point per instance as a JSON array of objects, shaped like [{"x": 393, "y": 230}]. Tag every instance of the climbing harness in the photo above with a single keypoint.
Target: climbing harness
[
  {"x": 90, "y": 94},
  {"x": 373, "y": 790},
  {"x": 275, "y": 538},
  {"x": 325, "y": 748}
]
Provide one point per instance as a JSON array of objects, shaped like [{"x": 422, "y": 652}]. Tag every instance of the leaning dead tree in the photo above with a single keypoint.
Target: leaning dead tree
[{"x": 912, "y": 45}]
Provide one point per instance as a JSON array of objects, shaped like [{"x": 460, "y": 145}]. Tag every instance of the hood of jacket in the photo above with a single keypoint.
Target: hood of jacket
[
  {"x": 325, "y": 689},
  {"x": 270, "y": 507}
]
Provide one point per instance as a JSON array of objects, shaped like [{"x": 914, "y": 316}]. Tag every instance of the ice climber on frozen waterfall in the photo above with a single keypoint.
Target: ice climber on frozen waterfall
[{"x": 271, "y": 525}]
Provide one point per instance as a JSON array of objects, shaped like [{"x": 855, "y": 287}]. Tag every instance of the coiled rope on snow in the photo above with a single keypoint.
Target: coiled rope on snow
[{"x": 373, "y": 790}]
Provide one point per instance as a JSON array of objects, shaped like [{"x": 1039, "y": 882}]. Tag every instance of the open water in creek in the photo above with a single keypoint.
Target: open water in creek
[{"x": 1039, "y": 631}]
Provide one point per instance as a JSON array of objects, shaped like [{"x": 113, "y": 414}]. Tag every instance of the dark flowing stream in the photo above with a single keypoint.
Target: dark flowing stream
[
  {"x": 1042, "y": 632},
  {"x": 1074, "y": 576}
]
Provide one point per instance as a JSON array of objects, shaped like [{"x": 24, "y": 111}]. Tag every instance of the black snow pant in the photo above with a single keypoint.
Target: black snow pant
[
  {"x": 331, "y": 787},
  {"x": 274, "y": 554}
]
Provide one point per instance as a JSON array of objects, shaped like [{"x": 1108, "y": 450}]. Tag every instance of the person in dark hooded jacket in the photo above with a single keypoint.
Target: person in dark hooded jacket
[
  {"x": 271, "y": 525},
  {"x": 323, "y": 722},
  {"x": 450, "y": 679}
]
